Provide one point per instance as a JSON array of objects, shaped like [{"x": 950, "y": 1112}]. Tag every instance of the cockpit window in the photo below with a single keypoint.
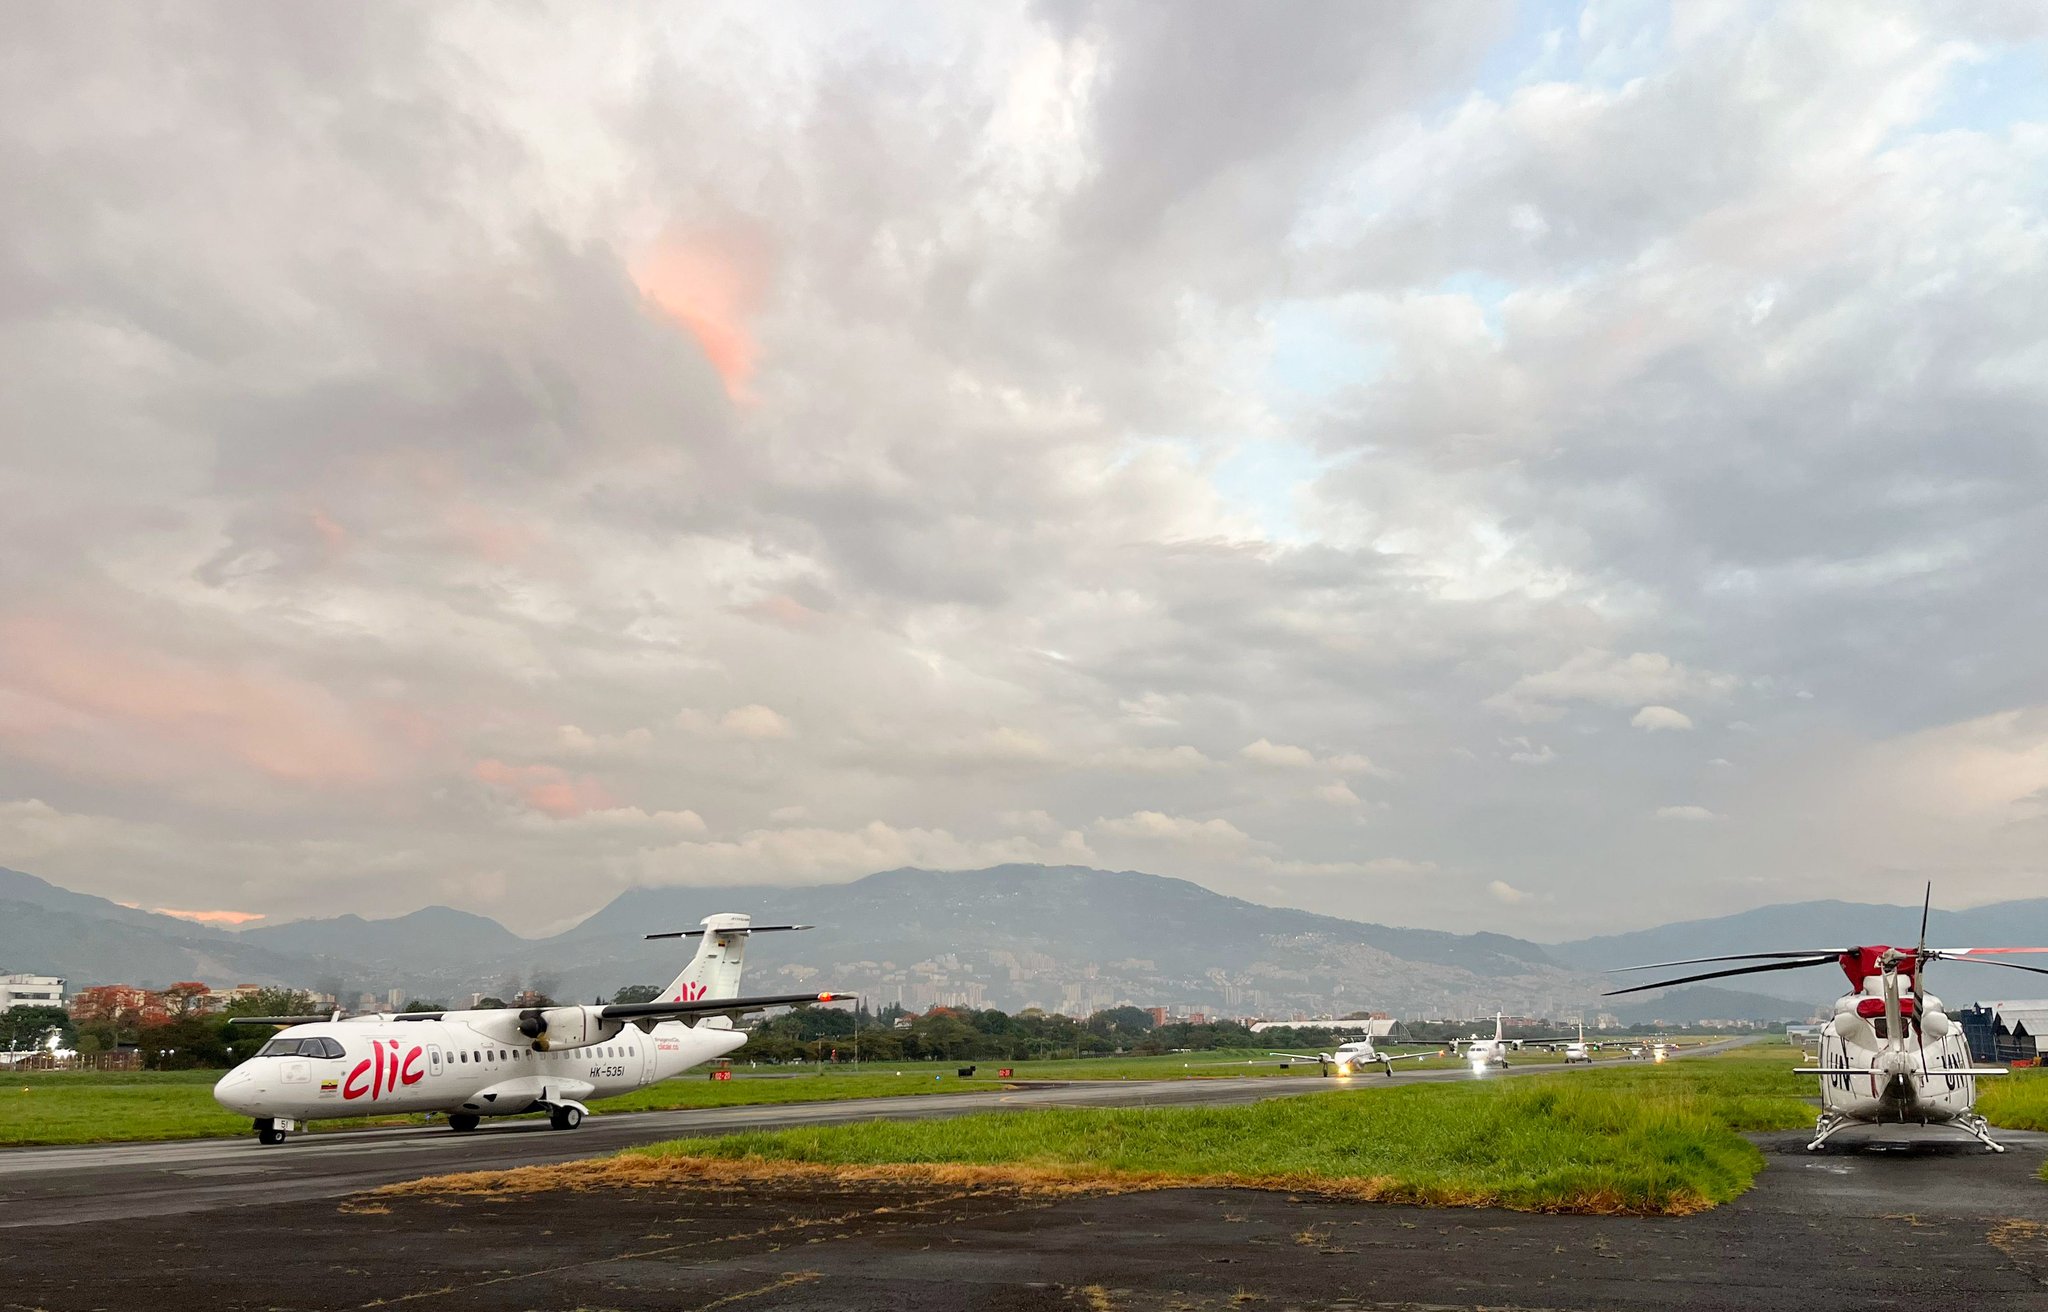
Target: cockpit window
[{"x": 313, "y": 1047}]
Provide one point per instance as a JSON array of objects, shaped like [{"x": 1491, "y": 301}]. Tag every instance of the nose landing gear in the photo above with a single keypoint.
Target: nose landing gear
[{"x": 267, "y": 1132}]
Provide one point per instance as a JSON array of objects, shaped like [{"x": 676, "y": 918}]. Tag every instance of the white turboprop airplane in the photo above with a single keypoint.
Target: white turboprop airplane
[
  {"x": 472, "y": 1064},
  {"x": 1350, "y": 1057},
  {"x": 1489, "y": 1052},
  {"x": 1574, "y": 1050}
]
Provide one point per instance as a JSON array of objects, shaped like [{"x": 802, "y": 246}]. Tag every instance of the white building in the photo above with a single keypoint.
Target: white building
[
  {"x": 30, "y": 991},
  {"x": 1375, "y": 1028}
]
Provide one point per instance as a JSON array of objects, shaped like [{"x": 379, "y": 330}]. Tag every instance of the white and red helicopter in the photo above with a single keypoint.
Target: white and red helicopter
[
  {"x": 1890, "y": 1055},
  {"x": 471, "y": 1064}
]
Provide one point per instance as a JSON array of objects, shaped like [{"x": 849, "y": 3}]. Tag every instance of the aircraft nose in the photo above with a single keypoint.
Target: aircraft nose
[{"x": 235, "y": 1090}]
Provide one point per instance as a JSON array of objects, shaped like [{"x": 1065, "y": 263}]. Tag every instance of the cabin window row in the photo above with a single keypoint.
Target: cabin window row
[{"x": 603, "y": 1050}]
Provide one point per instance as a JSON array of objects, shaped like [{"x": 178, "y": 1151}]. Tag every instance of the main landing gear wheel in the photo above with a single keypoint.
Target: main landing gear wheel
[
  {"x": 463, "y": 1122},
  {"x": 564, "y": 1118},
  {"x": 268, "y": 1134}
]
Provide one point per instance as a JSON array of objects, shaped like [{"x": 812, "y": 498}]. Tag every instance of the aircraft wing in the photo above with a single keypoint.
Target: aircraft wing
[
  {"x": 281, "y": 1020},
  {"x": 712, "y": 1006},
  {"x": 1406, "y": 1056},
  {"x": 1297, "y": 1057}
]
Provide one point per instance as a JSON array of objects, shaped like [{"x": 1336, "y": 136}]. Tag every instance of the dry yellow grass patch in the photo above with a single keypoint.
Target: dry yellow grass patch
[{"x": 643, "y": 1172}]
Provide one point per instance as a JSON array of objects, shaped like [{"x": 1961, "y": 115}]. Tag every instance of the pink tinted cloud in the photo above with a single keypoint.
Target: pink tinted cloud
[
  {"x": 211, "y": 917},
  {"x": 489, "y": 536},
  {"x": 712, "y": 283},
  {"x": 105, "y": 702},
  {"x": 547, "y": 788},
  {"x": 330, "y": 530}
]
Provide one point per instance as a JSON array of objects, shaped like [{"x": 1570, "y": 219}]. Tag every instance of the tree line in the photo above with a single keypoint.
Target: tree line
[{"x": 168, "y": 1031}]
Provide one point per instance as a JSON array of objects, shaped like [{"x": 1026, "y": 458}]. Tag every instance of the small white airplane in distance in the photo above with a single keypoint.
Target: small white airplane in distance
[
  {"x": 1574, "y": 1050},
  {"x": 1489, "y": 1052},
  {"x": 1350, "y": 1057},
  {"x": 471, "y": 1064}
]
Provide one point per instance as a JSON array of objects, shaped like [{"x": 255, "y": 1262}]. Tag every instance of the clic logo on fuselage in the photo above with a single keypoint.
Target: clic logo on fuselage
[{"x": 383, "y": 1071}]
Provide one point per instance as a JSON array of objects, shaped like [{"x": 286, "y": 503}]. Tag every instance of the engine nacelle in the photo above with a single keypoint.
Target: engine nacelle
[{"x": 554, "y": 1029}]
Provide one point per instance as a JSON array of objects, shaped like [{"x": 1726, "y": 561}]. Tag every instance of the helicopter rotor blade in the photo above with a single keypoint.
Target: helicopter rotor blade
[
  {"x": 1829, "y": 953},
  {"x": 2013, "y": 965},
  {"x": 1828, "y": 960},
  {"x": 1954, "y": 954},
  {"x": 1920, "y": 955}
]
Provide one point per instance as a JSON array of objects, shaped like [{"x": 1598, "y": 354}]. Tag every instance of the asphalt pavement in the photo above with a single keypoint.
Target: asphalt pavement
[
  {"x": 1904, "y": 1220},
  {"x": 1889, "y": 1218}
]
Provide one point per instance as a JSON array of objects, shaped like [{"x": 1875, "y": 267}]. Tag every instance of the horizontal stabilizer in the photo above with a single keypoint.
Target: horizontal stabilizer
[
  {"x": 734, "y": 929},
  {"x": 1928, "y": 1074},
  {"x": 714, "y": 1006}
]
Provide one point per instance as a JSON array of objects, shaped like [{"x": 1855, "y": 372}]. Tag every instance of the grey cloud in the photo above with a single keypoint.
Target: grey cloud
[{"x": 332, "y": 392}]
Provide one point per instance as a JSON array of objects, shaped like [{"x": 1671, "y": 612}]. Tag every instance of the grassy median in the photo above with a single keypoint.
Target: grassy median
[
  {"x": 76, "y": 1107},
  {"x": 1655, "y": 1140}
]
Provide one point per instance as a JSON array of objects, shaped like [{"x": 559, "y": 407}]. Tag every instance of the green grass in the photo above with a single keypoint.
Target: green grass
[
  {"x": 69, "y": 1107},
  {"x": 57, "y": 1107},
  {"x": 1647, "y": 1139},
  {"x": 2018, "y": 1101},
  {"x": 73, "y": 1107}
]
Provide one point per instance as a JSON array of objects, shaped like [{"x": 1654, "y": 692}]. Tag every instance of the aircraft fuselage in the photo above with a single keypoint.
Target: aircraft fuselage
[{"x": 373, "y": 1065}]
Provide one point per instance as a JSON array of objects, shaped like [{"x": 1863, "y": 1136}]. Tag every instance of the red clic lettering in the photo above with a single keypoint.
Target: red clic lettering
[
  {"x": 350, "y": 1089},
  {"x": 407, "y": 1073}
]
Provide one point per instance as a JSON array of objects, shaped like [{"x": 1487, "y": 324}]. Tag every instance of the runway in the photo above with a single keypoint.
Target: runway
[{"x": 42, "y": 1187}]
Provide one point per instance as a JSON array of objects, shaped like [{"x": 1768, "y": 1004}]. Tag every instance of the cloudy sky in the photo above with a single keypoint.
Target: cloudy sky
[{"x": 1534, "y": 467}]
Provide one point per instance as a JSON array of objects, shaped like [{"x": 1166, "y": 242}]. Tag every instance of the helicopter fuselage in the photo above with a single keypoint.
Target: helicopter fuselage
[{"x": 1918, "y": 1079}]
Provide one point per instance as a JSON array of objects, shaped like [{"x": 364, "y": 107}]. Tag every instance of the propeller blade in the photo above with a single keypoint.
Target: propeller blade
[
  {"x": 1828, "y": 960},
  {"x": 1739, "y": 956}
]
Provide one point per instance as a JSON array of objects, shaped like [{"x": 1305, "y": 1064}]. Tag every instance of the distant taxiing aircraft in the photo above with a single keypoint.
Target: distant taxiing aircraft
[
  {"x": 1349, "y": 1058},
  {"x": 471, "y": 1064},
  {"x": 1488, "y": 1052},
  {"x": 1574, "y": 1050}
]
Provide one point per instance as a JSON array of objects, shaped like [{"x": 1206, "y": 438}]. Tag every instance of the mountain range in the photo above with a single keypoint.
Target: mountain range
[{"x": 1064, "y": 938}]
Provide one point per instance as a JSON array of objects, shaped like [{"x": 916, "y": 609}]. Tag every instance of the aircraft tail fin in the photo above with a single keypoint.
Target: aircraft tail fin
[{"x": 715, "y": 971}]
